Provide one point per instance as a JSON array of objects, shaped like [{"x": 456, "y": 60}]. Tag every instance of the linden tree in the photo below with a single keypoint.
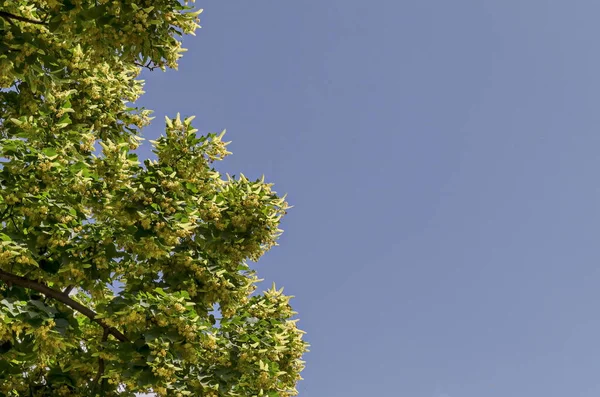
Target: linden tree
[{"x": 119, "y": 276}]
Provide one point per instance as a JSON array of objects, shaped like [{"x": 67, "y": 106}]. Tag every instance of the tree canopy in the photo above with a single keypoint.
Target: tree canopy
[{"x": 120, "y": 276}]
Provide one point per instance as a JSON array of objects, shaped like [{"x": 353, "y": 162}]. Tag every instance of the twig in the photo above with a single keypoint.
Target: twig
[
  {"x": 14, "y": 224},
  {"x": 147, "y": 66}
]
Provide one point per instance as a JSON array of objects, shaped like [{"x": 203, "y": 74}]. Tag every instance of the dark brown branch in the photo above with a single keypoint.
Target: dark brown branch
[
  {"x": 8, "y": 16},
  {"x": 100, "y": 366},
  {"x": 15, "y": 224},
  {"x": 68, "y": 290},
  {"x": 10, "y": 22},
  {"x": 59, "y": 296}
]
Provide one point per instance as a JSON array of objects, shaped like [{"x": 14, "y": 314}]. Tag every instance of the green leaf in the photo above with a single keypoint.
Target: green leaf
[
  {"x": 50, "y": 152},
  {"x": 160, "y": 292},
  {"x": 94, "y": 12},
  {"x": 55, "y": 22},
  {"x": 64, "y": 121},
  {"x": 62, "y": 325},
  {"x": 191, "y": 187},
  {"x": 50, "y": 311},
  {"x": 12, "y": 309},
  {"x": 50, "y": 266},
  {"x": 57, "y": 377}
]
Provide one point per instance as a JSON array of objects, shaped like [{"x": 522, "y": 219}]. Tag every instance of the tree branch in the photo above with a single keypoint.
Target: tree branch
[
  {"x": 15, "y": 224},
  {"x": 59, "y": 296},
  {"x": 8, "y": 16},
  {"x": 100, "y": 366},
  {"x": 68, "y": 290}
]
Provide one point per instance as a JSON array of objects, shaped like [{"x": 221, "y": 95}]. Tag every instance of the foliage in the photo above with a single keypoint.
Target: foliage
[{"x": 172, "y": 233}]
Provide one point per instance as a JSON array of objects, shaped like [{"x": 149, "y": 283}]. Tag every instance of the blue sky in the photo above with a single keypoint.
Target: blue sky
[{"x": 443, "y": 161}]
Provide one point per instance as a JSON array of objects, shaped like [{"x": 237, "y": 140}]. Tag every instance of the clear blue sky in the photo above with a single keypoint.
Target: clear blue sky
[{"x": 443, "y": 160}]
